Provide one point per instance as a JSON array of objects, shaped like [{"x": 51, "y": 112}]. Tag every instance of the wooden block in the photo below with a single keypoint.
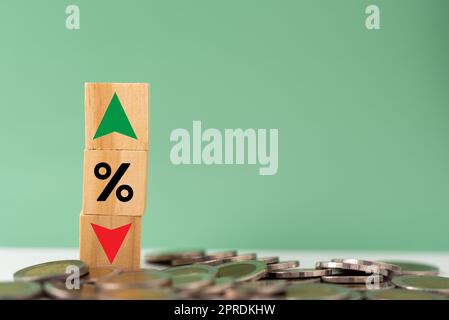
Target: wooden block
[
  {"x": 116, "y": 116},
  {"x": 115, "y": 182},
  {"x": 110, "y": 241}
]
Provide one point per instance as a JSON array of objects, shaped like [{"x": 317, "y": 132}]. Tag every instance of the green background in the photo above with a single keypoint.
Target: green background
[{"x": 362, "y": 115}]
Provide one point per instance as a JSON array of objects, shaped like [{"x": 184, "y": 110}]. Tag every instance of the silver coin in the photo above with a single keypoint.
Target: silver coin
[
  {"x": 145, "y": 278},
  {"x": 186, "y": 261},
  {"x": 269, "y": 260},
  {"x": 220, "y": 255},
  {"x": 382, "y": 265},
  {"x": 435, "y": 284},
  {"x": 402, "y": 294},
  {"x": 54, "y": 270},
  {"x": 299, "y": 273},
  {"x": 19, "y": 290},
  {"x": 352, "y": 267},
  {"x": 211, "y": 262},
  {"x": 215, "y": 258},
  {"x": 342, "y": 272},
  {"x": 415, "y": 268},
  {"x": 241, "y": 257},
  {"x": 304, "y": 280},
  {"x": 283, "y": 265},
  {"x": 352, "y": 279},
  {"x": 317, "y": 291}
]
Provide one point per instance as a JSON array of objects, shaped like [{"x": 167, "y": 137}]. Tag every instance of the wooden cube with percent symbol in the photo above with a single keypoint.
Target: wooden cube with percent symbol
[
  {"x": 110, "y": 241},
  {"x": 116, "y": 116},
  {"x": 115, "y": 182}
]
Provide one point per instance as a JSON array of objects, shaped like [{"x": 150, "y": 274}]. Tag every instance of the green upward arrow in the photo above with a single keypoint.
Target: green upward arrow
[{"x": 115, "y": 120}]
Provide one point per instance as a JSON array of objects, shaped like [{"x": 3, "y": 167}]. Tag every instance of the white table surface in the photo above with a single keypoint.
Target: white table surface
[{"x": 13, "y": 259}]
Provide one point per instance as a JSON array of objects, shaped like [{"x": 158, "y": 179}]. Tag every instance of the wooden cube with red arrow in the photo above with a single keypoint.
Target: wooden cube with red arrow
[{"x": 110, "y": 240}]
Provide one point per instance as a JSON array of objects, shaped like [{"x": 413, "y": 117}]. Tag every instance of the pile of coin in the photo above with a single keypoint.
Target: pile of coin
[{"x": 197, "y": 274}]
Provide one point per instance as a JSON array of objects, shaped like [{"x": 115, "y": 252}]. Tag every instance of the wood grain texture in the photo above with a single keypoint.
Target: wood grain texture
[
  {"x": 91, "y": 251},
  {"x": 134, "y": 98},
  {"x": 135, "y": 176}
]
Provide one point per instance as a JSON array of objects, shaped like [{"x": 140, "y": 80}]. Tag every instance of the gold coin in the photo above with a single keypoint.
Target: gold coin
[
  {"x": 139, "y": 294},
  {"x": 19, "y": 290},
  {"x": 317, "y": 291},
  {"x": 243, "y": 271},
  {"x": 59, "y": 290},
  {"x": 145, "y": 278},
  {"x": 102, "y": 272},
  {"x": 51, "y": 270},
  {"x": 402, "y": 294}
]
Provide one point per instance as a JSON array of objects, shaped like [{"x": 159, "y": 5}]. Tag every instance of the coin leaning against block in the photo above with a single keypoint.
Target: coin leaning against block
[{"x": 102, "y": 272}]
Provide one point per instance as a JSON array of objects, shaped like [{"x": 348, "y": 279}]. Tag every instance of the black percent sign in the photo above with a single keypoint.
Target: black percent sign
[{"x": 113, "y": 182}]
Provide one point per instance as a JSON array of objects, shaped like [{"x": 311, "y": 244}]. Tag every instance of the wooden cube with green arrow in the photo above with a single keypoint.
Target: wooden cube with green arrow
[{"x": 116, "y": 116}]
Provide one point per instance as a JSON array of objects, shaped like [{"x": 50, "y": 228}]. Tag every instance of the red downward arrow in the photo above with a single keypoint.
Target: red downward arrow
[{"x": 111, "y": 239}]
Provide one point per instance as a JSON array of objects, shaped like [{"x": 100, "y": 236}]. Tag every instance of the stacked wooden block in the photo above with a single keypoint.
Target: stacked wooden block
[{"x": 115, "y": 174}]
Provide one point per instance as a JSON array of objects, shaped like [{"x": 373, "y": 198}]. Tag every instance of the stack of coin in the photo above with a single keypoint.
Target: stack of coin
[
  {"x": 360, "y": 275},
  {"x": 198, "y": 274}
]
